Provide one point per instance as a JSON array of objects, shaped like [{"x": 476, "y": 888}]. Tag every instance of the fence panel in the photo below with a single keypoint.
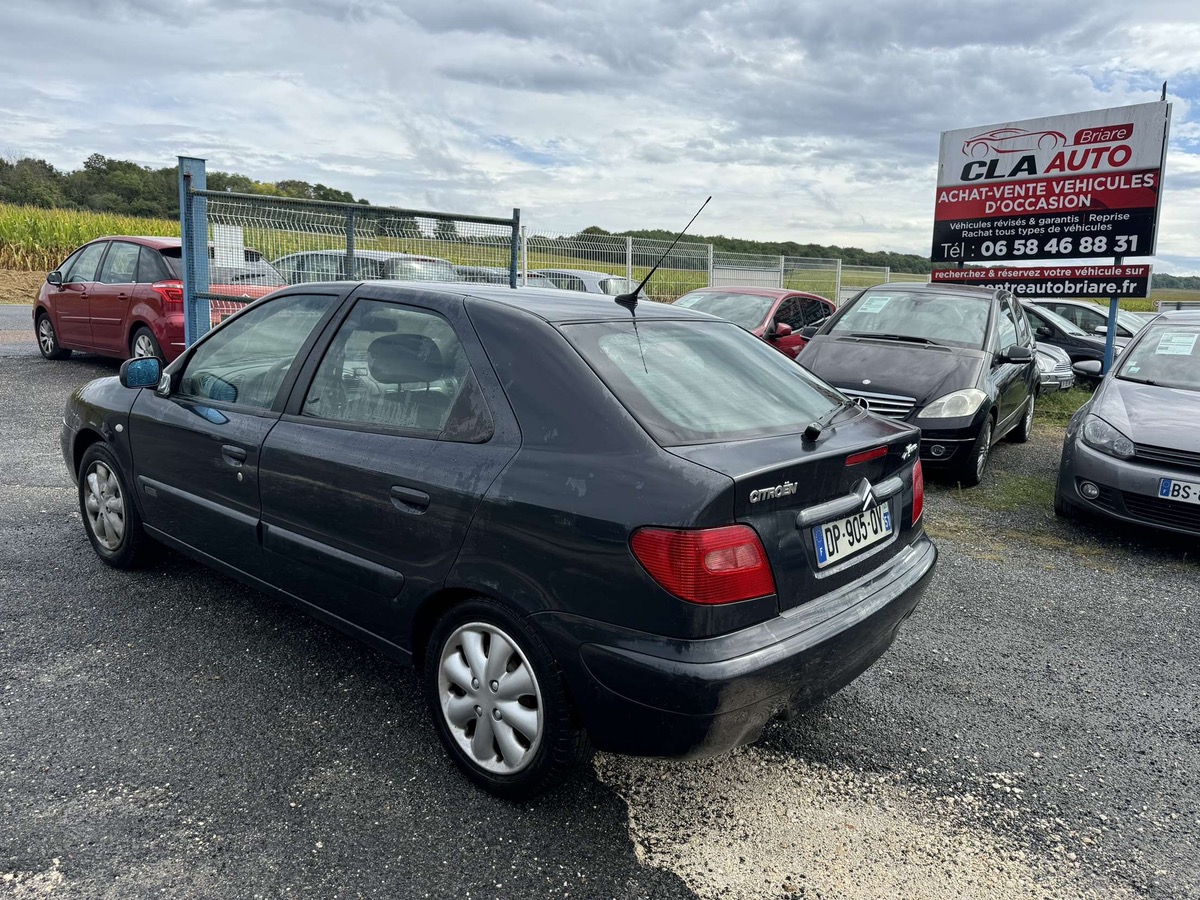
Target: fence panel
[{"x": 257, "y": 244}]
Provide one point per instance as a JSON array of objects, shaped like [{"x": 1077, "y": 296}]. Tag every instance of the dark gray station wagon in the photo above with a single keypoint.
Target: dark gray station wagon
[{"x": 640, "y": 530}]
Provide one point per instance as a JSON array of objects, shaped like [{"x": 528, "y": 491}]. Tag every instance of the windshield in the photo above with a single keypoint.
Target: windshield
[
  {"x": 1064, "y": 325},
  {"x": 955, "y": 319},
  {"x": 1131, "y": 322},
  {"x": 701, "y": 382},
  {"x": 1165, "y": 355},
  {"x": 747, "y": 310}
]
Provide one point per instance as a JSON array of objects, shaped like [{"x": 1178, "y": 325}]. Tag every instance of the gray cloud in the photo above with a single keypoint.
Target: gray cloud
[{"x": 809, "y": 121}]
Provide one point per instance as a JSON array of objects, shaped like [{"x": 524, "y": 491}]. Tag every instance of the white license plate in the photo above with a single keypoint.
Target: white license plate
[
  {"x": 845, "y": 537},
  {"x": 1182, "y": 491}
]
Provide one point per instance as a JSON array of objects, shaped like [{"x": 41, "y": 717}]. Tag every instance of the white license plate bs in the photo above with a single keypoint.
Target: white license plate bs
[
  {"x": 839, "y": 539},
  {"x": 1180, "y": 491}
]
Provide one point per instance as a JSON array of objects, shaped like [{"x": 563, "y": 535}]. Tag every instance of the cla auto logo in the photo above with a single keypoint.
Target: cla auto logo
[
  {"x": 909, "y": 451},
  {"x": 863, "y": 492},
  {"x": 780, "y": 490}
]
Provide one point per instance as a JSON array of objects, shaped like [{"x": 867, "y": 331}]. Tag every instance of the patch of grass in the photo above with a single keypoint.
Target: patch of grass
[
  {"x": 1009, "y": 492},
  {"x": 1057, "y": 408}
]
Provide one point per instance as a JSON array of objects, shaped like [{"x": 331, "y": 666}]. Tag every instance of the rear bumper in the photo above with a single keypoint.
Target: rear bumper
[{"x": 653, "y": 696}]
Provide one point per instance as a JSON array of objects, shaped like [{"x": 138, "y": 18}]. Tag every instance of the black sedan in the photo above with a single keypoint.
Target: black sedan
[
  {"x": 1132, "y": 452},
  {"x": 1051, "y": 328},
  {"x": 956, "y": 361},
  {"x": 638, "y": 529}
]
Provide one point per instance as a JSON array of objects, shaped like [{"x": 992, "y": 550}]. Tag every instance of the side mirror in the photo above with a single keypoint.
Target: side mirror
[
  {"x": 809, "y": 331},
  {"x": 1100, "y": 329},
  {"x": 1088, "y": 368},
  {"x": 1044, "y": 331},
  {"x": 141, "y": 372},
  {"x": 782, "y": 329},
  {"x": 1016, "y": 353},
  {"x": 54, "y": 278},
  {"x": 772, "y": 330}
]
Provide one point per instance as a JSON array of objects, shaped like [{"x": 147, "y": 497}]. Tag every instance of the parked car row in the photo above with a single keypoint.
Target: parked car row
[
  {"x": 123, "y": 296},
  {"x": 405, "y": 463}
]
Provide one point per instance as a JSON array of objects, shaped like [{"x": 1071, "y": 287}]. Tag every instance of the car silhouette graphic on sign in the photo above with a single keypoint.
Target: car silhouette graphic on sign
[{"x": 1012, "y": 140}]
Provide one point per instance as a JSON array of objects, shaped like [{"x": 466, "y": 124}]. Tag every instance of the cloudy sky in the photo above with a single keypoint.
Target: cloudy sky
[{"x": 810, "y": 121}]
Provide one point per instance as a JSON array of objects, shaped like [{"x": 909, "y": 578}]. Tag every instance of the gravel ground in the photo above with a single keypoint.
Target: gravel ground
[{"x": 1032, "y": 733}]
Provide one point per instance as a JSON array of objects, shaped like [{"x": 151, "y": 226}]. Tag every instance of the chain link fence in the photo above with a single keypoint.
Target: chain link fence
[
  {"x": 239, "y": 247},
  {"x": 256, "y": 244}
]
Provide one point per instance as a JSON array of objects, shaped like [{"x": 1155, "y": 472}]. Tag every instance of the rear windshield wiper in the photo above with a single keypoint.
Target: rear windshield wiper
[
  {"x": 896, "y": 337},
  {"x": 813, "y": 431}
]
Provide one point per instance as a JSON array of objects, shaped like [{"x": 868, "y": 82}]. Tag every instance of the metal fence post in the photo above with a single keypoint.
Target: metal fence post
[
  {"x": 887, "y": 274},
  {"x": 710, "y": 265},
  {"x": 350, "y": 271},
  {"x": 514, "y": 247},
  {"x": 837, "y": 283},
  {"x": 193, "y": 232},
  {"x": 782, "y": 260},
  {"x": 524, "y": 255},
  {"x": 629, "y": 259}
]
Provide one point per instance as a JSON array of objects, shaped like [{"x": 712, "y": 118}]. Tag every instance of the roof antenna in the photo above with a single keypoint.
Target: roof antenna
[{"x": 630, "y": 299}]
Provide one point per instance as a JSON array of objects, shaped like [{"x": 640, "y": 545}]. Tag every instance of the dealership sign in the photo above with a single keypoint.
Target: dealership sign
[
  {"x": 1060, "y": 187},
  {"x": 1055, "y": 281}
]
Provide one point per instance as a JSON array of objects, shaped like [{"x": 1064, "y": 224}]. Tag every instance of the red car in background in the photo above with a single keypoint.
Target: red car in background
[
  {"x": 123, "y": 296},
  {"x": 773, "y": 314}
]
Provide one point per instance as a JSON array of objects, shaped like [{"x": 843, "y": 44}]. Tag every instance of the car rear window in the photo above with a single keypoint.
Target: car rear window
[
  {"x": 701, "y": 382},
  {"x": 747, "y": 310}
]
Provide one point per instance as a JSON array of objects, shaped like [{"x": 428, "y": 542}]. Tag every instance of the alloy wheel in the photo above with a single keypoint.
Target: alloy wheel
[
  {"x": 490, "y": 698},
  {"x": 143, "y": 346},
  {"x": 985, "y": 446},
  {"x": 46, "y": 337},
  {"x": 105, "y": 505}
]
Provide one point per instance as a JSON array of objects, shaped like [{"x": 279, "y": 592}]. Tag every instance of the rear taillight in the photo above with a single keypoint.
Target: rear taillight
[
  {"x": 918, "y": 492},
  {"x": 171, "y": 293},
  {"x": 706, "y": 565}
]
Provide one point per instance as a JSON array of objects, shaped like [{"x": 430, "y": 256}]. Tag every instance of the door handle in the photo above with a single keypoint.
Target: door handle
[
  {"x": 234, "y": 456},
  {"x": 409, "y": 500}
]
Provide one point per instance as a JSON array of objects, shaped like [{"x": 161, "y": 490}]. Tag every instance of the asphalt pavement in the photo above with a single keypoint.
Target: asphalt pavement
[{"x": 171, "y": 733}]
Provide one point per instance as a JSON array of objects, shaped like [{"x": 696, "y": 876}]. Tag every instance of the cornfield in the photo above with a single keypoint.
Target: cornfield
[{"x": 37, "y": 239}]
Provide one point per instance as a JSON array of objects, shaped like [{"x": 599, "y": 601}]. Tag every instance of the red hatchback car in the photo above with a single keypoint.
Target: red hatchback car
[
  {"x": 772, "y": 314},
  {"x": 123, "y": 296}
]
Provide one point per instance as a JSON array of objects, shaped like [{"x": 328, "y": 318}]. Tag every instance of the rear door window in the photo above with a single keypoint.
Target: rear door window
[
  {"x": 396, "y": 367},
  {"x": 693, "y": 383},
  {"x": 121, "y": 264}
]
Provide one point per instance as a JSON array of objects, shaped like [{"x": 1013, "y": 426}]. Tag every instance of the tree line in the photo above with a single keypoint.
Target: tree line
[
  {"x": 120, "y": 186},
  {"x": 124, "y": 187}
]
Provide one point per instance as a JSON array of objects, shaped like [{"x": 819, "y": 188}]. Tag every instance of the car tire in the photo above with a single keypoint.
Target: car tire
[
  {"x": 110, "y": 516},
  {"x": 1020, "y": 434},
  {"x": 971, "y": 470},
  {"x": 483, "y": 663},
  {"x": 47, "y": 339},
  {"x": 144, "y": 343}
]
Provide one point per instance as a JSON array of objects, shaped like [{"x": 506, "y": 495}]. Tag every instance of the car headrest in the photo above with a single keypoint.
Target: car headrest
[{"x": 404, "y": 358}]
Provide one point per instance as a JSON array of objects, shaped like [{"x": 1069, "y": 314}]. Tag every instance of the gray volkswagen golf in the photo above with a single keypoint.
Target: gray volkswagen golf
[
  {"x": 639, "y": 529},
  {"x": 1132, "y": 452}
]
